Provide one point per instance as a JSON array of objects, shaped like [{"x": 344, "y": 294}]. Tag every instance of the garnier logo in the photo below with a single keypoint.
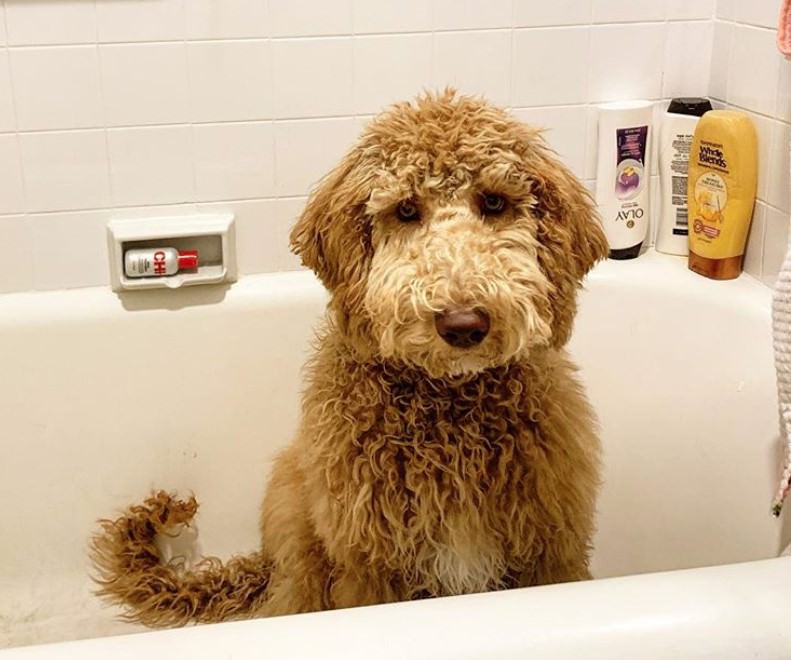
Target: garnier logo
[{"x": 712, "y": 156}]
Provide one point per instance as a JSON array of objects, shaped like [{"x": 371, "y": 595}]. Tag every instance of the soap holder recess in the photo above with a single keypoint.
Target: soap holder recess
[{"x": 213, "y": 236}]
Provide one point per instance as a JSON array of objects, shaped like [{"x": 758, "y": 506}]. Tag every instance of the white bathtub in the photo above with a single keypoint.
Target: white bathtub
[{"x": 103, "y": 398}]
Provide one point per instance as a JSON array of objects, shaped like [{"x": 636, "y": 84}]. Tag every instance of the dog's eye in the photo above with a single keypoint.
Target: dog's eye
[
  {"x": 493, "y": 204},
  {"x": 407, "y": 211}
]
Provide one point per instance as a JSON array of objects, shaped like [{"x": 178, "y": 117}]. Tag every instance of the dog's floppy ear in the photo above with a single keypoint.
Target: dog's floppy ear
[
  {"x": 332, "y": 236},
  {"x": 569, "y": 232}
]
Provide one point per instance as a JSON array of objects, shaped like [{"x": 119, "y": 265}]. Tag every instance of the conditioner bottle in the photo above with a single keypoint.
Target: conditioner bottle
[
  {"x": 721, "y": 187},
  {"x": 622, "y": 175},
  {"x": 675, "y": 143}
]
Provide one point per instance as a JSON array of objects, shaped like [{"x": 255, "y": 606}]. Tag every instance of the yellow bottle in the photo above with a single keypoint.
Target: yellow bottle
[{"x": 723, "y": 174}]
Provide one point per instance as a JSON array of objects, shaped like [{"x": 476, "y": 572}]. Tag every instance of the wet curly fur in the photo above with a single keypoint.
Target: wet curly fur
[{"x": 419, "y": 469}]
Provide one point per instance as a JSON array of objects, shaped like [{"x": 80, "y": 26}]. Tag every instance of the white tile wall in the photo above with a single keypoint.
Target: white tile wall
[
  {"x": 16, "y": 267},
  {"x": 472, "y": 14},
  {"x": 627, "y": 61},
  {"x": 565, "y": 131},
  {"x": 777, "y": 169},
  {"x": 753, "y": 70},
  {"x": 151, "y": 165},
  {"x": 541, "y": 80},
  {"x": 56, "y": 87},
  {"x": 474, "y": 62},
  {"x": 784, "y": 91},
  {"x": 764, "y": 128},
  {"x": 129, "y": 107},
  {"x": 298, "y": 163},
  {"x": 725, "y": 9},
  {"x": 749, "y": 74},
  {"x": 51, "y": 263},
  {"x": 226, "y": 19},
  {"x": 230, "y": 80},
  {"x": 754, "y": 256},
  {"x": 591, "y": 143},
  {"x": 407, "y": 60},
  {"x": 145, "y": 83},
  {"x": 655, "y": 207},
  {"x": 628, "y": 11},
  {"x": 12, "y": 191},
  {"x": 678, "y": 10},
  {"x": 140, "y": 20},
  {"x": 7, "y": 121},
  {"x": 775, "y": 242},
  {"x": 371, "y": 16},
  {"x": 763, "y": 13},
  {"x": 540, "y": 13},
  {"x": 37, "y": 22},
  {"x": 720, "y": 59},
  {"x": 312, "y": 77},
  {"x": 262, "y": 228},
  {"x": 65, "y": 170},
  {"x": 686, "y": 76},
  {"x": 297, "y": 18},
  {"x": 234, "y": 161},
  {"x": 154, "y": 210}
]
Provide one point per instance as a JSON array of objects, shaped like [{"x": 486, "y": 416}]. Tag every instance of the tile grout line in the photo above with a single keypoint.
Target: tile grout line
[
  {"x": 352, "y": 34},
  {"x": 316, "y": 118},
  {"x": 512, "y": 57},
  {"x": 172, "y": 205},
  {"x": 100, "y": 64},
  {"x": 190, "y": 123},
  {"x": 14, "y": 105},
  {"x": 269, "y": 198}
]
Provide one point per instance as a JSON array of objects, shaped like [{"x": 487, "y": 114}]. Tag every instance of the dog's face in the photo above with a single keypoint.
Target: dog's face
[{"x": 450, "y": 238}]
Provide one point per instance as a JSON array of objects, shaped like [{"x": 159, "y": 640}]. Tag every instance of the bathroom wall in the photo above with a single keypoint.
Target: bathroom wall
[
  {"x": 748, "y": 73},
  {"x": 141, "y": 107}
]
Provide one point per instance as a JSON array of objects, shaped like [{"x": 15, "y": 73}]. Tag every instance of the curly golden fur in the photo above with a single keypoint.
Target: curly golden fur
[{"x": 420, "y": 468}]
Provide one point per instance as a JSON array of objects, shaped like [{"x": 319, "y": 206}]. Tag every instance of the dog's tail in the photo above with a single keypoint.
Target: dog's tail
[{"x": 131, "y": 573}]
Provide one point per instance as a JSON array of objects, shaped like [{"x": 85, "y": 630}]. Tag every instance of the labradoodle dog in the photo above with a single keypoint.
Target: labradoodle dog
[{"x": 445, "y": 444}]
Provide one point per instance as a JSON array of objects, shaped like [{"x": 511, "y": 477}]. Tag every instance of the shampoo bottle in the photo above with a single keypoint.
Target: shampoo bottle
[
  {"x": 723, "y": 172},
  {"x": 622, "y": 175},
  {"x": 675, "y": 142},
  {"x": 158, "y": 262}
]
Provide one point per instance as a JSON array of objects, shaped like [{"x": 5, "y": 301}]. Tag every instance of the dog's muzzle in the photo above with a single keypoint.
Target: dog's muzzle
[{"x": 462, "y": 328}]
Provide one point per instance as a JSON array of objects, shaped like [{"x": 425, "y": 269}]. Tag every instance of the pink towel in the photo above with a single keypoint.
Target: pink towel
[{"x": 784, "y": 28}]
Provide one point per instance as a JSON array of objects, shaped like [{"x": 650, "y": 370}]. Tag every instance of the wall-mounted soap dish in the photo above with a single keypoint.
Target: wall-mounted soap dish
[{"x": 212, "y": 236}]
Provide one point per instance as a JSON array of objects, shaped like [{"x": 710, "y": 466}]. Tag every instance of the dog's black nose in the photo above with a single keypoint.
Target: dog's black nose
[{"x": 462, "y": 328}]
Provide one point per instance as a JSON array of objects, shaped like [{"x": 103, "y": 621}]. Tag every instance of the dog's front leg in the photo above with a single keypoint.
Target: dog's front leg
[
  {"x": 537, "y": 577},
  {"x": 567, "y": 561},
  {"x": 299, "y": 586},
  {"x": 301, "y": 570},
  {"x": 354, "y": 586}
]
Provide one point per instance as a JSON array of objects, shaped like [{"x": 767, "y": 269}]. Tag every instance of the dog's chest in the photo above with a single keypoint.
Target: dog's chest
[
  {"x": 436, "y": 484},
  {"x": 455, "y": 480},
  {"x": 467, "y": 567},
  {"x": 447, "y": 531}
]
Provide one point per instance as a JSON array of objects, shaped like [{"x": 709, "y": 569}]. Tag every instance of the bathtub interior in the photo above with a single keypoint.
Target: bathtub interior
[
  {"x": 680, "y": 370},
  {"x": 106, "y": 397}
]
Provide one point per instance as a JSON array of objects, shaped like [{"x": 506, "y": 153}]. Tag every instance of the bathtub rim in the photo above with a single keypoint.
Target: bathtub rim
[{"x": 720, "y": 611}]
